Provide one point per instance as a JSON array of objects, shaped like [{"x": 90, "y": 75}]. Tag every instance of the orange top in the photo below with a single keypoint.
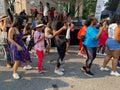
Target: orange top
[{"x": 82, "y": 31}]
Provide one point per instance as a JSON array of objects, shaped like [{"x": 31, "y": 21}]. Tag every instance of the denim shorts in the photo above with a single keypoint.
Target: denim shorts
[{"x": 111, "y": 44}]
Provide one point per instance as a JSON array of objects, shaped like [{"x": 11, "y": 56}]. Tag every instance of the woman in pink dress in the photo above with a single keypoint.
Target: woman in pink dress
[{"x": 103, "y": 38}]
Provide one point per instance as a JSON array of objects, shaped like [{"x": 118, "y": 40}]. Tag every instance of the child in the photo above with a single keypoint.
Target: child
[{"x": 39, "y": 45}]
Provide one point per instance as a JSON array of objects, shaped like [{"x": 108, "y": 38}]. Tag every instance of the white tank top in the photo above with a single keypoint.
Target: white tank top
[{"x": 111, "y": 29}]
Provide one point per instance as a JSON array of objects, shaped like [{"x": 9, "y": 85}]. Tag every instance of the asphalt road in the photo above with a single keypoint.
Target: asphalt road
[{"x": 73, "y": 79}]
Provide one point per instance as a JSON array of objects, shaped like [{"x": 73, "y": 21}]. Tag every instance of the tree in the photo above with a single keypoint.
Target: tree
[
  {"x": 113, "y": 4},
  {"x": 89, "y": 7}
]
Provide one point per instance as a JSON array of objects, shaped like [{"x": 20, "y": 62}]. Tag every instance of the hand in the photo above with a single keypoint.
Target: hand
[{"x": 19, "y": 48}]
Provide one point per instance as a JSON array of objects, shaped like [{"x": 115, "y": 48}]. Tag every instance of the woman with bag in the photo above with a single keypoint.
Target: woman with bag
[
  {"x": 113, "y": 45},
  {"x": 59, "y": 31}
]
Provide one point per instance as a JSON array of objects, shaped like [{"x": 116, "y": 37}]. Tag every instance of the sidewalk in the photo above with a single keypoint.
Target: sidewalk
[{"x": 73, "y": 79}]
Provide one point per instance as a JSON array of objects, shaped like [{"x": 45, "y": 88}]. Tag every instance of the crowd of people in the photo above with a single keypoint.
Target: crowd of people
[{"x": 23, "y": 36}]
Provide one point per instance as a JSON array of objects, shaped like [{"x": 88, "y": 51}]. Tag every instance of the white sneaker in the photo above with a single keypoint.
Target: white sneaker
[
  {"x": 16, "y": 76},
  {"x": 62, "y": 69},
  {"x": 58, "y": 72},
  {"x": 118, "y": 67},
  {"x": 104, "y": 69},
  {"x": 28, "y": 67},
  {"x": 104, "y": 54},
  {"x": 114, "y": 73},
  {"x": 99, "y": 53}
]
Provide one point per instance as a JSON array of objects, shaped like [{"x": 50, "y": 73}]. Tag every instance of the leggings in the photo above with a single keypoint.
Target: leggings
[
  {"x": 61, "y": 52},
  {"x": 91, "y": 53}
]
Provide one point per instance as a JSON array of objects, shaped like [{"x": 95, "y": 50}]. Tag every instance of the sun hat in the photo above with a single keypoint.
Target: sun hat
[{"x": 39, "y": 25}]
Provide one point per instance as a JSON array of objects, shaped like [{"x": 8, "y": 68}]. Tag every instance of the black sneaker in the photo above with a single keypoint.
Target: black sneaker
[
  {"x": 83, "y": 69},
  {"x": 41, "y": 73},
  {"x": 89, "y": 73}
]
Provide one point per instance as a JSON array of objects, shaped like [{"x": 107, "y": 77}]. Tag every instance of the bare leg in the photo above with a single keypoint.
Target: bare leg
[
  {"x": 15, "y": 67},
  {"x": 107, "y": 58},
  {"x": 67, "y": 45},
  {"x": 116, "y": 54},
  {"x": 103, "y": 49},
  {"x": 98, "y": 49},
  {"x": 26, "y": 62}
]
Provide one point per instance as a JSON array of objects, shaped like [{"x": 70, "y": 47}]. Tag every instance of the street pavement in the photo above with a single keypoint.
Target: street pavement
[{"x": 73, "y": 79}]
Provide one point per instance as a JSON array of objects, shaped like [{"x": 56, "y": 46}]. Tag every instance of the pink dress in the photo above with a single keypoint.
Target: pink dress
[{"x": 103, "y": 38}]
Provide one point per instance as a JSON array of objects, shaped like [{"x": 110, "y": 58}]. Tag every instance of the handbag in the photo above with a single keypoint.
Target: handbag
[{"x": 60, "y": 40}]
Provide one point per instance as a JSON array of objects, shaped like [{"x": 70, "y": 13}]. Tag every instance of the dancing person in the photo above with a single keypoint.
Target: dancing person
[
  {"x": 39, "y": 46},
  {"x": 19, "y": 53},
  {"x": 103, "y": 38},
  {"x": 70, "y": 28},
  {"x": 48, "y": 36},
  {"x": 113, "y": 45},
  {"x": 90, "y": 45},
  {"x": 59, "y": 31},
  {"x": 80, "y": 36},
  {"x": 5, "y": 24}
]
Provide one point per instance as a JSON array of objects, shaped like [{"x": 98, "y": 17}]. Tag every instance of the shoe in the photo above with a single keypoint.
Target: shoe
[
  {"x": 104, "y": 69},
  {"x": 28, "y": 67},
  {"x": 85, "y": 56},
  {"x": 41, "y": 72},
  {"x": 114, "y": 73},
  {"x": 63, "y": 62},
  {"x": 89, "y": 73},
  {"x": 58, "y": 72},
  {"x": 62, "y": 69},
  {"x": 30, "y": 51},
  {"x": 118, "y": 67},
  {"x": 104, "y": 54},
  {"x": 16, "y": 76},
  {"x": 80, "y": 54},
  {"x": 8, "y": 66},
  {"x": 67, "y": 53},
  {"x": 83, "y": 69},
  {"x": 99, "y": 54}
]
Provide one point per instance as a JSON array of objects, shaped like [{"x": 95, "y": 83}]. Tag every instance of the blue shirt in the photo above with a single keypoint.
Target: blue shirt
[
  {"x": 33, "y": 24},
  {"x": 90, "y": 37}
]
